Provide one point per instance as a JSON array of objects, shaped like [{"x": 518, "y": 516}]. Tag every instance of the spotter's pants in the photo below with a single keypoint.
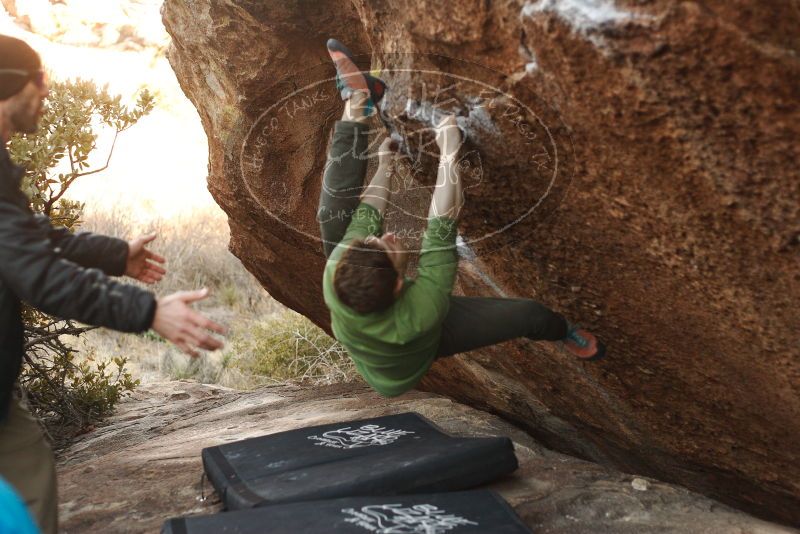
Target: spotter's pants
[{"x": 27, "y": 463}]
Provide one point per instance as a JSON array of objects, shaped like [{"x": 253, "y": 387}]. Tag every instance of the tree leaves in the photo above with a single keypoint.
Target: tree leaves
[{"x": 74, "y": 114}]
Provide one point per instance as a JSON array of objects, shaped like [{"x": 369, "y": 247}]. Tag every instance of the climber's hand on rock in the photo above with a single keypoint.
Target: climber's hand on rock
[{"x": 178, "y": 323}]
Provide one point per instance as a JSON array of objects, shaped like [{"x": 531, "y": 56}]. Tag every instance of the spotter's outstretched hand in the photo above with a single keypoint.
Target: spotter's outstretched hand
[
  {"x": 142, "y": 264},
  {"x": 177, "y": 322}
]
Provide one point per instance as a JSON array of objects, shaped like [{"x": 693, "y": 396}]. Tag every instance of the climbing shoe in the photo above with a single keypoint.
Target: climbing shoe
[
  {"x": 583, "y": 344},
  {"x": 350, "y": 78}
]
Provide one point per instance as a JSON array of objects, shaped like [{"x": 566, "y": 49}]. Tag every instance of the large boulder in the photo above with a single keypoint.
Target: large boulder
[{"x": 633, "y": 165}]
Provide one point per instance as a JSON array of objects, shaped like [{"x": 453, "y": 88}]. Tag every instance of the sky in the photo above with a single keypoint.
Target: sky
[{"x": 159, "y": 166}]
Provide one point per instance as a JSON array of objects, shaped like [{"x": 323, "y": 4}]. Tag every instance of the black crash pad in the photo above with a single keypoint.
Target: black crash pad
[
  {"x": 390, "y": 455},
  {"x": 468, "y": 512}
]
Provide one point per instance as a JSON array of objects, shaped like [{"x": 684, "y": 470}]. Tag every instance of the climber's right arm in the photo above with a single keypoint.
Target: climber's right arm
[
  {"x": 377, "y": 193},
  {"x": 448, "y": 197}
]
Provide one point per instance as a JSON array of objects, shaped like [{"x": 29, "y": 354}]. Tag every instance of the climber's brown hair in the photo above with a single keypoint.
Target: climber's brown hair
[{"x": 365, "y": 277}]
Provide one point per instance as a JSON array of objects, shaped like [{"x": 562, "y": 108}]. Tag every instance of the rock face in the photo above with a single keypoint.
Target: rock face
[
  {"x": 145, "y": 467},
  {"x": 633, "y": 165}
]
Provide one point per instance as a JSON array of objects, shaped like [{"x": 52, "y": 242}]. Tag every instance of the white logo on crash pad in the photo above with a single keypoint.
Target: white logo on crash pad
[
  {"x": 397, "y": 519},
  {"x": 365, "y": 436}
]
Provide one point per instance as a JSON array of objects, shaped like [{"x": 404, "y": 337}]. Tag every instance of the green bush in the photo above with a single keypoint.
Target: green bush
[{"x": 70, "y": 395}]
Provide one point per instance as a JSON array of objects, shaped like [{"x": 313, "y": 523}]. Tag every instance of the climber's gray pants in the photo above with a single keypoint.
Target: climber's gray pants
[
  {"x": 475, "y": 322},
  {"x": 342, "y": 181},
  {"x": 472, "y": 322}
]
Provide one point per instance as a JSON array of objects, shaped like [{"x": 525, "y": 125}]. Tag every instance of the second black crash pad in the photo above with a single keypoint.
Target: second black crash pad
[
  {"x": 468, "y": 512},
  {"x": 390, "y": 455}
]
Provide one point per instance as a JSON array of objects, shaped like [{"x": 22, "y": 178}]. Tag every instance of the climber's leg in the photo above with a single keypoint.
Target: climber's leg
[
  {"x": 346, "y": 167},
  {"x": 475, "y": 322},
  {"x": 345, "y": 170}
]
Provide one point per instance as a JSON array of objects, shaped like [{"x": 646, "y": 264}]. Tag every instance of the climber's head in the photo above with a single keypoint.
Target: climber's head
[
  {"x": 370, "y": 274},
  {"x": 23, "y": 87}
]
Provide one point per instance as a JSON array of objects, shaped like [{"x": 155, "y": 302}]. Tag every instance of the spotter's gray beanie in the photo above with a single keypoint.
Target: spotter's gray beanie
[{"x": 16, "y": 55}]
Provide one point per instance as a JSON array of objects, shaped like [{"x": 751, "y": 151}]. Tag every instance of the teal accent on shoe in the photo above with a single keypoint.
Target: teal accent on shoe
[
  {"x": 344, "y": 91},
  {"x": 575, "y": 337}
]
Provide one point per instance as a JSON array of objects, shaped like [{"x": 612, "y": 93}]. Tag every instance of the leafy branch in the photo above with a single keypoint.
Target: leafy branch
[{"x": 69, "y": 130}]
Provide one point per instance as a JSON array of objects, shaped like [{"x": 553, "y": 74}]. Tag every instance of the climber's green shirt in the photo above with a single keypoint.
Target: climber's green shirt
[{"x": 394, "y": 348}]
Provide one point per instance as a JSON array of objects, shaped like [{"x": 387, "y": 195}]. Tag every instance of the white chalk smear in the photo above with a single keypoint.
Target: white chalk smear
[
  {"x": 214, "y": 84},
  {"x": 582, "y": 15},
  {"x": 479, "y": 119},
  {"x": 465, "y": 252},
  {"x": 531, "y": 64}
]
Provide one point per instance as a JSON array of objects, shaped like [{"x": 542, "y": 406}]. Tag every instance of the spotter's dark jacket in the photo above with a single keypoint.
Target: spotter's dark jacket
[{"x": 58, "y": 272}]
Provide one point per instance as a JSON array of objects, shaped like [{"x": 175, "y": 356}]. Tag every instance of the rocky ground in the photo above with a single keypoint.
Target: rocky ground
[{"x": 144, "y": 466}]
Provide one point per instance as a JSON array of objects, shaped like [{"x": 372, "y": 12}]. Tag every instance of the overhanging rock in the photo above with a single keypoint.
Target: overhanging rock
[{"x": 633, "y": 165}]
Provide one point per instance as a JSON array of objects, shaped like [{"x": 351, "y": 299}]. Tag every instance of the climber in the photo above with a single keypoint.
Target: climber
[
  {"x": 394, "y": 327},
  {"x": 66, "y": 275}
]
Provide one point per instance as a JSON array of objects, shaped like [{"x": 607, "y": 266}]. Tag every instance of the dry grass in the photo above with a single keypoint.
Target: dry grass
[
  {"x": 195, "y": 246},
  {"x": 287, "y": 346},
  {"x": 266, "y": 342}
]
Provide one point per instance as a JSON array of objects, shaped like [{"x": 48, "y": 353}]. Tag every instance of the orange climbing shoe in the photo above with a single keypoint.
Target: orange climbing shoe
[
  {"x": 350, "y": 78},
  {"x": 583, "y": 344}
]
